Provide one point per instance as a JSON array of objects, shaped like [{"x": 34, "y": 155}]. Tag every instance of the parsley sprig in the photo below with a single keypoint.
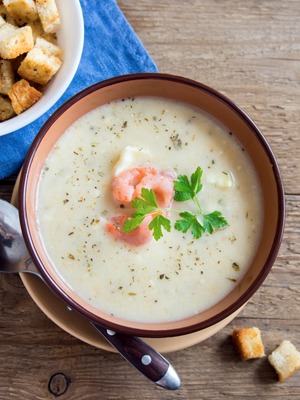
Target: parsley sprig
[
  {"x": 188, "y": 190},
  {"x": 185, "y": 189}
]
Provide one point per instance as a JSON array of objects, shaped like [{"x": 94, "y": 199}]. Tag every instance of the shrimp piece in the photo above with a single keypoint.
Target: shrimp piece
[
  {"x": 138, "y": 236},
  {"x": 169, "y": 174},
  {"x": 124, "y": 185},
  {"x": 162, "y": 186}
]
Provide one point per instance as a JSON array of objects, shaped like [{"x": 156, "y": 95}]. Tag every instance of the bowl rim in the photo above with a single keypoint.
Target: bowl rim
[
  {"x": 30, "y": 115},
  {"x": 280, "y": 197}
]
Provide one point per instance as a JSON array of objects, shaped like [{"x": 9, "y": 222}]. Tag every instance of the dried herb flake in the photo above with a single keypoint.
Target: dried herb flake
[{"x": 236, "y": 266}]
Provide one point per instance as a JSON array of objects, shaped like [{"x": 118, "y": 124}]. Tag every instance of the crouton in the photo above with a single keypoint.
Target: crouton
[
  {"x": 2, "y": 22},
  {"x": 6, "y": 109},
  {"x": 38, "y": 31},
  {"x": 285, "y": 359},
  {"x": 7, "y": 76},
  {"x": 248, "y": 343},
  {"x": 7, "y": 28},
  {"x": 15, "y": 41},
  {"x": 48, "y": 48},
  {"x": 6, "y": 15},
  {"x": 22, "y": 11},
  {"x": 23, "y": 96},
  {"x": 38, "y": 66},
  {"x": 49, "y": 15}
]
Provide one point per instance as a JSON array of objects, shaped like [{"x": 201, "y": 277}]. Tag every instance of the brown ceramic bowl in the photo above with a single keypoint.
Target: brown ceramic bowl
[{"x": 216, "y": 105}]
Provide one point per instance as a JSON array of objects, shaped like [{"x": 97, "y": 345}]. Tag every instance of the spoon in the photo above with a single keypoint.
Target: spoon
[{"x": 14, "y": 258}]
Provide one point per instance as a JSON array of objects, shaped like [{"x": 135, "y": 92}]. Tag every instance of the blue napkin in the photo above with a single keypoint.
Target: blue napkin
[{"x": 111, "y": 48}]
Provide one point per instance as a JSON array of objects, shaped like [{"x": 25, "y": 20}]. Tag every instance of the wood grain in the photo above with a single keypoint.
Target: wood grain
[
  {"x": 250, "y": 51},
  {"x": 247, "y": 50}
]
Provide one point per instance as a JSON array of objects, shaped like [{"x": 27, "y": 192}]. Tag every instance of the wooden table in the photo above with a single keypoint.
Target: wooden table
[{"x": 250, "y": 51}]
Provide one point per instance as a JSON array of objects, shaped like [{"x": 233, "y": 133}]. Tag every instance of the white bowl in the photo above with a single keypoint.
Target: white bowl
[{"x": 70, "y": 38}]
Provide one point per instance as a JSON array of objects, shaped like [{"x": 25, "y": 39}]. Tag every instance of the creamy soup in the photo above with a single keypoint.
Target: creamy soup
[{"x": 176, "y": 276}]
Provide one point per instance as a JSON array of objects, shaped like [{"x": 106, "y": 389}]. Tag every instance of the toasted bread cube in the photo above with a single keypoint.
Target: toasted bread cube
[
  {"x": 22, "y": 11},
  {"x": 48, "y": 48},
  {"x": 7, "y": 29},
  {"x": 285, "y": 359},
  {"x": 39, "y": 67},
  {"x": 2, "y": 22},
  {"x": 38, "y": 31},
  {"x": 49, "y": 15},
  {"x": 6, "y": 109},
  {"x": 15, "y": 41},
  {"x": 7, "y": 76},
  {"x": 6, "y": 15},
  {"x": 248, "y": 343},
  {"x": 23, "y": 96}
]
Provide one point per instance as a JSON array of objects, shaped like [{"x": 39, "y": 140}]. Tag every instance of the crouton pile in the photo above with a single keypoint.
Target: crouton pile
[{"x": 29, "y": 55}]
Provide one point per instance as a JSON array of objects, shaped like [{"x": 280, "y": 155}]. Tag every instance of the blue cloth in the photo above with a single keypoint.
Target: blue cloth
[{"x": 111, "y": 48}]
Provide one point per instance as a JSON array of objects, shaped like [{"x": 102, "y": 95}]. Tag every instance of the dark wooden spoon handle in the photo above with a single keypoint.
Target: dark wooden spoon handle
[{"x": 143, "y": 357}]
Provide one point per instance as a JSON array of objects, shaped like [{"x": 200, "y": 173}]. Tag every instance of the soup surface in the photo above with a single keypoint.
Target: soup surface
[{"x": 178, "y": 275}]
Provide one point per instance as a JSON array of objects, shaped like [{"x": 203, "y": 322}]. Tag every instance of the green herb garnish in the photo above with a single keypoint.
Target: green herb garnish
[
  {"x": 185, "y": 190},
  {"x": 147, "y": 206}
]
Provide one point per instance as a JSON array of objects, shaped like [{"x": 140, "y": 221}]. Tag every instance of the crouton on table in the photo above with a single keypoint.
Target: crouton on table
[
  {"x": 285, "y": 359},
  {"x": 248, "y": 343}
]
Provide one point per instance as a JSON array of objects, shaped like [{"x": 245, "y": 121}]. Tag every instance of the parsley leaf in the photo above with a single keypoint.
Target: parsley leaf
[
  {"x": 133, "y": 223},
  {"x": 184, "y": 190},
  {"x": 148, "y": 201},
  {"x": 183, "y": 184},
  {"x": 189, "y": 221},
  {"x": 144, "y": 206},
  {"x": 149, "y": 197},
  {"x": 156, "y": 224},
  {"x": 214, "y": 220},
  {"x": 182, "y": 196},
  {"x": 196, "y": 180}
]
